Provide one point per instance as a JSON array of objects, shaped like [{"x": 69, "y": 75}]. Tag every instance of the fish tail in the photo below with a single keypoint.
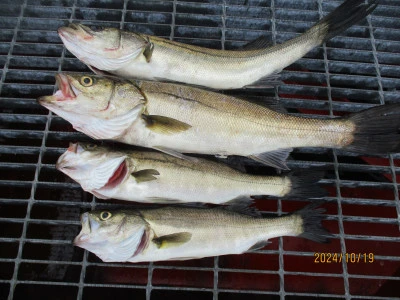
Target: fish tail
[
  {"x": 376, "y": 130},
  {"x": 304, "y": 184},
  {"x": 311, "y": 225},
  {"x": 344, "y": 16}
]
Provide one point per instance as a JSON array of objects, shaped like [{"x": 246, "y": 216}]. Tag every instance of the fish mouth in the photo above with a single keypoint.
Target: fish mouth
[
  {"x": 66, "y": 91},
  {"x": 62, "y": 163},
  {"x": 74, "y": 31},
  {"x": 117, "y": 177},
  {"x": 83, "y": 236}
]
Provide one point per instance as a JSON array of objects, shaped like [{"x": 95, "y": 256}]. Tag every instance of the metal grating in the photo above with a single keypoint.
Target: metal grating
[{"x": 39, "y": 207}]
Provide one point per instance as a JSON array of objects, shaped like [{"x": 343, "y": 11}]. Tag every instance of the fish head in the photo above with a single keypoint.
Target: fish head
[
  {"x": 106, "y": 49},
  {"x": 113, "y": 235},
  {"x": 97, "y": 169},
  {"x": 101, "y": 107}
]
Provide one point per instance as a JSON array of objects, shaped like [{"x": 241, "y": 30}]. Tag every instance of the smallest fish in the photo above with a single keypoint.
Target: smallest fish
[{"x": 181, "y": 233}]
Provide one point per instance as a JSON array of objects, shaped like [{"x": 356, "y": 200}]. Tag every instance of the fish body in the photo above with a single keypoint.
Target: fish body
[
  {"x": 178, "y": 119},
  {"x": 160, "y": 178},
  {"x": 224, "y": 125},
  {"x": 135, "y": 55},
  {"x": 177, "y": 233}
]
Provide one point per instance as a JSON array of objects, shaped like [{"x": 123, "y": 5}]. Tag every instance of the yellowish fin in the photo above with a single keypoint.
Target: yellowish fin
[
  {"x": 165, "y": 125},
  {"x": 145, "y": 175},
  {"x": 172, "y": 240}
]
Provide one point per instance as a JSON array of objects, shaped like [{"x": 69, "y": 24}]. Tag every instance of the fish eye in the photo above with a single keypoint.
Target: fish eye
[
  {"x": 86, "y": 81},
  {"x": 91, "y": 146},
  {"x": 105, "y": 215}
]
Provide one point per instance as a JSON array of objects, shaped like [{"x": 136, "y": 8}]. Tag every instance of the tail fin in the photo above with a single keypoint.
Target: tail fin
[
  {"x": 347, "y": 14},
  {"x": 312, "y": 228},
  {"x": 376, "y": 130},
  {"x": 304, "y": 184}
]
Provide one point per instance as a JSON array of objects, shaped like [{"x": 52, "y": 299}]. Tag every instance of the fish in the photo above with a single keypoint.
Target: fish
[
  {"x": 140, "y": 56},
  {"x": 182, "y": 233},
  {"x": 154, "y": 177},
  {"x": 181, "y": 119}
]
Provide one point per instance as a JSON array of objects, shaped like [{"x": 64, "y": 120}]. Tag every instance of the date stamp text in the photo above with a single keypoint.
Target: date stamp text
[{"x": 331, "y": 258}]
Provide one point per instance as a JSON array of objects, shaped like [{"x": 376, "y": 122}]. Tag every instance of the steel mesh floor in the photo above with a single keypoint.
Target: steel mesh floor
[{"x": 40, "y": 207}]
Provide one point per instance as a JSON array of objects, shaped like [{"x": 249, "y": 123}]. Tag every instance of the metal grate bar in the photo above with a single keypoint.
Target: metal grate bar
[
  {"x": 14, "y": 277},
  {"x": 336, "y": 168}
]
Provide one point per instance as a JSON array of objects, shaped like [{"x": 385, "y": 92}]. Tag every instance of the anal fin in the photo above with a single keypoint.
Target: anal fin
[
  {"x": 259, "y": 245},
  {"x": 163, "y": 200},
  {"x": 175, "y": 153},
  {"x": 268, "y": 81},
  {"x": 276, "y": 158}
]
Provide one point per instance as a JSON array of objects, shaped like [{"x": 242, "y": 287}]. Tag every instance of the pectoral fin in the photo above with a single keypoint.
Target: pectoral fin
[
  {"x": 145, "y": 175},
  {"x": 148, "y": 51},
  {"x": 164, "y": 125},
  {"x": 275, "y": 158},
  {"x": 172, "y": 240}
]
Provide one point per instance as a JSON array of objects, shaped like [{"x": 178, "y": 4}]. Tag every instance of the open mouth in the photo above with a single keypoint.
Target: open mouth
[
  {"x": 66, "y": 90},
  {"x": 117, "y": 177}
]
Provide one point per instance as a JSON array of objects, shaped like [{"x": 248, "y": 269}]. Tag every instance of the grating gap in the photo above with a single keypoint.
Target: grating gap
[{"x": 382, "y": 101}]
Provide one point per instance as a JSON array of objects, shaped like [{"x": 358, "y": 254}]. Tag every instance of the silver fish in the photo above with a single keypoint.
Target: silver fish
[
  {"x": 136, "y": 55},
  {"x": 177, "y": 233},
  {"x": 158, "y": 178},
  {"x": 178, "y": 119}
]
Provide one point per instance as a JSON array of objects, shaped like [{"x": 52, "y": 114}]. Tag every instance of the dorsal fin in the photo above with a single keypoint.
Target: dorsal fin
[
  {"x": 268, "y": 102},
  {"x": 242, "y": 205},
  {"x": 259, "y": 43}
]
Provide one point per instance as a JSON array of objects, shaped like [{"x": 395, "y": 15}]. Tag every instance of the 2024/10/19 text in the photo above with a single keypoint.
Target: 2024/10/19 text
[{"x": 329, "y": 258}]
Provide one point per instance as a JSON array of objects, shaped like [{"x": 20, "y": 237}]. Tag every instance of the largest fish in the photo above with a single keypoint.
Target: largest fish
[
  {"x": 178, "y": 233},
  {"x": 136, "y": 55},
  {"x": 180, "y": 119}
]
